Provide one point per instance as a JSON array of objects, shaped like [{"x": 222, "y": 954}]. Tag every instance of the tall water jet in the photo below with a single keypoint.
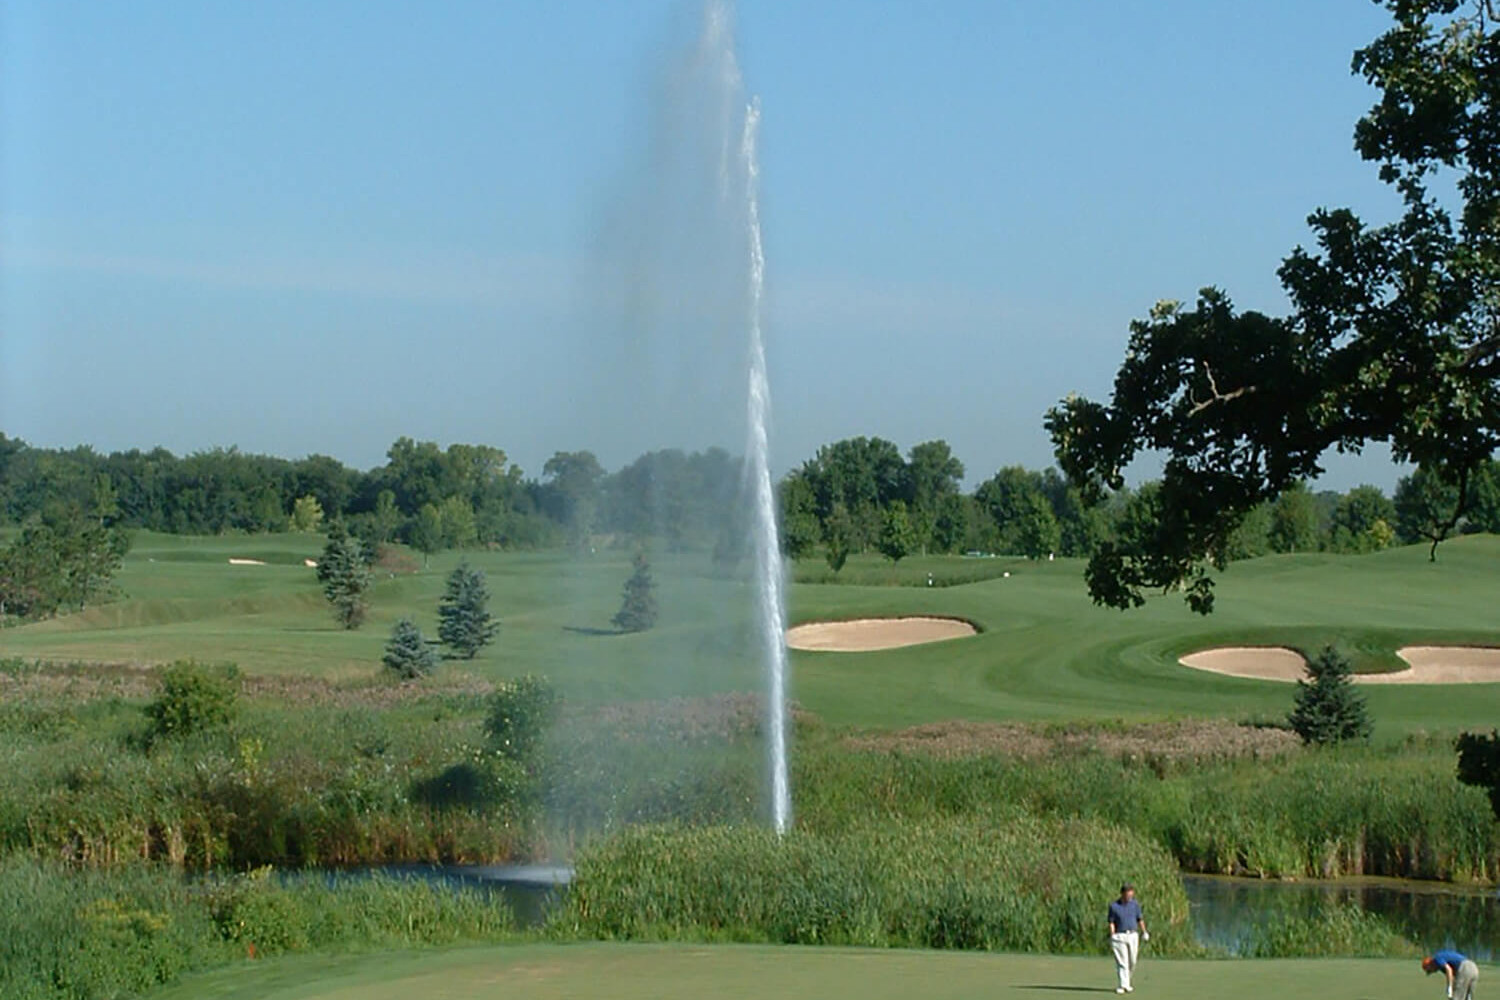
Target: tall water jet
[
  {"x": 682, "y": 279},
  {"x": 769, "y": 571}
]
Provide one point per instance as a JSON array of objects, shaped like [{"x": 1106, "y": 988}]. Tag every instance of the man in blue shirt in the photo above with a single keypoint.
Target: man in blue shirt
[
  {"x": 1127, "y": 929},
  {"x": 1460, "y": 972}
]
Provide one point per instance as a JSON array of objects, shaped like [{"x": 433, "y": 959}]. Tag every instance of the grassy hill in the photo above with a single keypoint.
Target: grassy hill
[{"x": 1046, "y": 652}]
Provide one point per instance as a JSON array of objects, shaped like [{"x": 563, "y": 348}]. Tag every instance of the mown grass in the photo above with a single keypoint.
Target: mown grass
[
  {"x": 870, "y": 570},
  {"x": 1046, "y": 653},
  {"x": 672, "y": 972}
]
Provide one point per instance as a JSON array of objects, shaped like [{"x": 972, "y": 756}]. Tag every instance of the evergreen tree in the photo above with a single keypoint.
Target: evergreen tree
[
  {"x": 407, "y": 653},
  {"x": 465, "y": 623},
  {"x": 638, "y": 610},
  {"x": 1328, "y": 708},
  {"x": 344, "y": 572}
]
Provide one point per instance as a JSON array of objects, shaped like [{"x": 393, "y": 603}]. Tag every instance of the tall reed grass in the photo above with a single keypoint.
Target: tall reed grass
[
  {"x": 70, "y": 934},
  {"x": 1021, "y": 884}
]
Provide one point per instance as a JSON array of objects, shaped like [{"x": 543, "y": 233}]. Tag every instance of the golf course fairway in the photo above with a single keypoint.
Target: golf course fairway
[{"x": 661, "y": 972}]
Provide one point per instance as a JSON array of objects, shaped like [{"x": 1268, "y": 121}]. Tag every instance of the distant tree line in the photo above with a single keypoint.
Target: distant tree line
[
  {"x": 862, "y": 494},
  {"x": 856, "y": 495},
  {"x": 429, "y": 497}
]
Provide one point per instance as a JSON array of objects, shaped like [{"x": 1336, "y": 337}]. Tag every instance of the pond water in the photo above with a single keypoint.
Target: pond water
[{"x": 1227, "y": 911}]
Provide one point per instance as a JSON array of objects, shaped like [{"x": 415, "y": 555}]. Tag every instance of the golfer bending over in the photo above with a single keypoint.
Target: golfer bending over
[
  {"x": 1127, "y": 927},
  {"x": 1460, "y": 971}
]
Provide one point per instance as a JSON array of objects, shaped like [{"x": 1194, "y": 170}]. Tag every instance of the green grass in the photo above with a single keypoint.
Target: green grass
[
  {"x": 650, "y": 972},
  {"x": 1046, "y": 653}
]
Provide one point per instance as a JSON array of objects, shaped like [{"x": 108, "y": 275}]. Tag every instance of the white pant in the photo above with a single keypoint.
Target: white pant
[
  {"x": 1463, "y": 981},
  {"x": 1127, "y": 946}
]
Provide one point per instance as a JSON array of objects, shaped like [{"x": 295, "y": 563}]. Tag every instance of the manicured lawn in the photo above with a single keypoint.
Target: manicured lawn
[
  {"x": 649, "y": 972},
  {"x": 1046, "y": 653}
]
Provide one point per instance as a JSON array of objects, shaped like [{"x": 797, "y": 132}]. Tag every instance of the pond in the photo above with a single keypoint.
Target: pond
[{"x": 1227, "y": 911}]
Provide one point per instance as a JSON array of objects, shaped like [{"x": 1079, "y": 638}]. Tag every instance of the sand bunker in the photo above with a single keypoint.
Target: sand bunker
[
  {"x": 1428, "y": 664},
  {"x": 1444, "y": 665},
  {"x": 866, "y": 634},
  {"x": 1262, "y": 663},
  {"x": 246, "y": 562}
]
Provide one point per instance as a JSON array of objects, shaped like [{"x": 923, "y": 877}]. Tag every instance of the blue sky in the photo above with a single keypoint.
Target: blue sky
[{"x": 316, "y": 227}]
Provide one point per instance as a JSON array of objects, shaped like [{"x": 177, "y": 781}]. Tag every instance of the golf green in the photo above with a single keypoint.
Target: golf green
[{"x": 657, "y": 972}]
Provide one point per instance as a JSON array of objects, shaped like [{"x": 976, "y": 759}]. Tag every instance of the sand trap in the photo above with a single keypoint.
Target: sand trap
[
  {"x": 246, "y": 562},
  {"x": 1261, "y": 663},
  {"x": 1428, "y": 664},
  {"x": 866, "y": 634},
  {"x": 1444, "y": 665},
  {"x": 310, "y": 563}
]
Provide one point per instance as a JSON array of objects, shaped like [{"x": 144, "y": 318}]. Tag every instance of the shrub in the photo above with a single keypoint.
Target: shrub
[
  {"x": 193, "y": 697},
  {"x": 1329, "y": 709},
  {"x": 520, "y": 713},
  {"x": 407, "y": 654}
]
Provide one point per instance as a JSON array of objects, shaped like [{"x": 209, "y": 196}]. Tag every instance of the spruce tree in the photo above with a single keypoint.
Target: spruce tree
[
  {"x": 407, "y": 653},
  {"x": 344, "y": 572},
  {"x": 465, "y": 625},
  {"x": 638, "y": 610},
  {"x": 1328, "y": 708}
]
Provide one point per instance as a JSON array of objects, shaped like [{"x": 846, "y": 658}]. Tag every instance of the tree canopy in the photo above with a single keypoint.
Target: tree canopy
[{"x": 1394, "y": 333}]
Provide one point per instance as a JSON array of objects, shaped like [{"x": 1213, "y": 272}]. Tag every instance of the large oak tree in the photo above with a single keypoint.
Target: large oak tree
[{"x": 1394, "y": 333}]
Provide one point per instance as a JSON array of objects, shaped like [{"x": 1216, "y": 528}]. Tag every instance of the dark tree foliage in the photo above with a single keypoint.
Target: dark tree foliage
[
  {"x": 407, "y": 652},
  {"x": 226, "y": 490},
  {"x": 465, "y": 625},
  {"x": 838, "y": 537},
  {"x": 63, "y": 560},
  {"x": 1328, "y": 708},
  {"x": 1424, "y": 505},
  {"x": 638, "y": 609},
  {"x": 1394, "y": 333},
  {"x": 898, "y": 538},
  {"x": 1479, "y": 764}
]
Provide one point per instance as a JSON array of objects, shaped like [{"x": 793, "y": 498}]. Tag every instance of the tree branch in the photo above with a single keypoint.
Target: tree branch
[
  {"x": 1442, "y": 529},
  {"x": 1217, "y": 397}
]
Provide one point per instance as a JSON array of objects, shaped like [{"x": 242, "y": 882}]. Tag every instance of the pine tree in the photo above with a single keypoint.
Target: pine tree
[
  {"x": 407, "y": 653},
  {"x": 1328, "y": 708},
  {"x": 638, "y": 611},
  {"x": 465, "y": 624},
  {"x": 344, "y": 572}
]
